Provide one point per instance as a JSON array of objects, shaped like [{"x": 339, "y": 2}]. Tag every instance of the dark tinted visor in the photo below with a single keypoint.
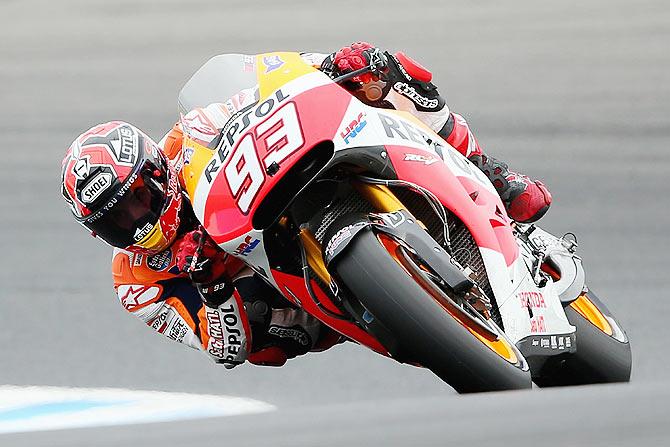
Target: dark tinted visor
[{"x": 131, "y": 214}]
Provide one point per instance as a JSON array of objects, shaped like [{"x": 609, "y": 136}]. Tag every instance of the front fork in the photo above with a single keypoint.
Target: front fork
[{"x": 379, "y": 196}]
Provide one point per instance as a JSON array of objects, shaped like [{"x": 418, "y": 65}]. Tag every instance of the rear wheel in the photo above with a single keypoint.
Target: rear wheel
[
  {"x": 603, "y": 352},
  {"x": 429, "y": 330}
]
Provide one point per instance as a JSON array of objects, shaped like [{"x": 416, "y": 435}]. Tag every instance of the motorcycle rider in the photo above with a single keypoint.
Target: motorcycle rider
[{"x": 128, "y": 190}]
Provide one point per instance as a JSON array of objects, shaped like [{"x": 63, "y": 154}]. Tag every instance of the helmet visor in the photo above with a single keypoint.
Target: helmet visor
[{"x": 132, "y": 214}]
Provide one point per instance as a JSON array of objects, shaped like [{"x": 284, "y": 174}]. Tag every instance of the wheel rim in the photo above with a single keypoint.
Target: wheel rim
[
  {"x": 585, "y": 307},
  {"x": 495, "y": 342}
]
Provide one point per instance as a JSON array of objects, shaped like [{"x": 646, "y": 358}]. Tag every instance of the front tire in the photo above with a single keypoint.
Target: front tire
[{"x": 423, "y": 328}]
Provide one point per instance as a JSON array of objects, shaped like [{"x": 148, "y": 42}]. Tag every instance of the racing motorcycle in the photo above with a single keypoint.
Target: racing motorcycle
[{"x": 369, "y": 221}]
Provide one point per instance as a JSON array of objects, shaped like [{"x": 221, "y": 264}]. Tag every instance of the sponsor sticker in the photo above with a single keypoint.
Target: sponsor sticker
[
  {"x": 537, "y": 324},
  {"x": 177, "y": 330},
  {"x": 249, "y": 64},
  {"x": 160, "y": 261},
  {"x": 163, "y": 319},
  {"x": 247, "y": 246},
  {"x": 133, "y": 297},
  {"x": 559, "y": 342},
  {"x": 227, "y": 339},
  {"x": 272, "y": 63},
  {"x": 342, "y": 235},
  {"x": 532, "y": 300},
  {"x": 294, "y": 334},
  {"x": 188, "y": 154},
  {"x": 354, "y": 128},
  {"x": 141, "y": 233},
  {"x": 238, "y": 125},
  {"x": 96, "y": 186},
  {"x": 410, "y": 92},
  {"x": 427, "y": 160},
  {"x": 126, "y": 150},
  {"x": 394, "y": 219},
  {"x": 396, "y": 128}
]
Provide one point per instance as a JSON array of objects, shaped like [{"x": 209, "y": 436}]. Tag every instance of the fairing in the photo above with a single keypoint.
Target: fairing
[
  {"x": 299, "y": 107},
  {"x": 218, "y": 79}
]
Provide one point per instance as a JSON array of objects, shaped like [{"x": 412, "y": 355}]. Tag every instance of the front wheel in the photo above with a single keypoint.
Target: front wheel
[
  {"x": 603, "y": 352},
  {"x": 458, "y": 352}
]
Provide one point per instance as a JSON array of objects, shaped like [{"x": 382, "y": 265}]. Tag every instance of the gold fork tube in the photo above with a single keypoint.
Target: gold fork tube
[
  {"x": 381, "y": 198},
  {"x": 314, "y": 257}
]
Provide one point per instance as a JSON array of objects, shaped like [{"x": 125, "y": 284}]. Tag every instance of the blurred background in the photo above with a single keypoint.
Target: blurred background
[{"x": 574, "y": 93}]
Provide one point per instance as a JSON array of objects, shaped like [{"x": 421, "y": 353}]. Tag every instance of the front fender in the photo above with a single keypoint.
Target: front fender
[{"x": 402, "y": 226}]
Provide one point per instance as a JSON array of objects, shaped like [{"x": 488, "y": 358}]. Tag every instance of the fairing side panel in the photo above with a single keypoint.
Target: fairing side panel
[
  {"x": 280, "y": 129},
  {"x": 294, "y": 286},
  {"x": 457, "y": 195},
  {"x": 250, "y": 249},
  {"x": 526, "y": 309},
  {"x": 420, "y": 156}
]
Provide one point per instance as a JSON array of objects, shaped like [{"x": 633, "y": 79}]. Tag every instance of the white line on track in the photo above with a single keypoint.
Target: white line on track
[{"x": 34, "y": 408}]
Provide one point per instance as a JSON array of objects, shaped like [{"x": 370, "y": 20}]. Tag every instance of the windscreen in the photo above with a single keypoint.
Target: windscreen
[{"x": 218, "y": 80}]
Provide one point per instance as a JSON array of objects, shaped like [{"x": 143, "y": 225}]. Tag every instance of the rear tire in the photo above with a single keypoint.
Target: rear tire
[
  {"x": 423, "y": 328},
  {"x": 600, "y": 358}
]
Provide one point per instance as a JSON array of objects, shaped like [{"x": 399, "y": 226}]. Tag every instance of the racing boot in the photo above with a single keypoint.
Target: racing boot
[{"x": 525, "y": 200}]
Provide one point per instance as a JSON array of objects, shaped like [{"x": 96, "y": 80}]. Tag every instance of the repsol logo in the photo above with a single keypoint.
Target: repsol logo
[
  {"x": 404, "y": 130},
  {"x": 225, "y": 332},
  {"x": 95, "y": 187},
  {"x": 234, "y": 128}
]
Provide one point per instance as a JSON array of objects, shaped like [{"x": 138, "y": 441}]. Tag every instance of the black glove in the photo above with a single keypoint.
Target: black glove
[
  {"x": 397, "y": 72},
  {"x": 215, "y": 293},
  {"x": 412, "y": 81},
  {"x": 205, "y": 264}
]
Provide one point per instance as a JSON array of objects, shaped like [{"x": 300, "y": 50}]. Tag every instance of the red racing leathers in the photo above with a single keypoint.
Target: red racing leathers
[{"x": 155, "y": 290}]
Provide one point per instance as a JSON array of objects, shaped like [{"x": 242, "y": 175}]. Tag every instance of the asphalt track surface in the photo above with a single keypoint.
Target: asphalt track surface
[{"x": 575, "y": 93}]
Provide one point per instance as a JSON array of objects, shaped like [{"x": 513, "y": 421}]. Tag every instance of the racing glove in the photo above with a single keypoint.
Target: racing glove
[
  {"x": 226, "y": 326},
  {"x": 207, "y": 266},
  {"x": 396, "y": 72},
  {"x": 278, "y": 331}
]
